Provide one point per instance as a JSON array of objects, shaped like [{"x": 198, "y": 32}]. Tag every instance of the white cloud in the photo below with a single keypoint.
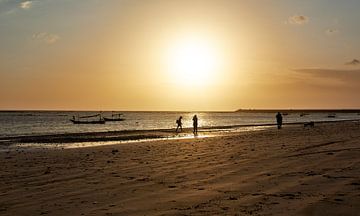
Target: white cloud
[
  {"x": 298, "y": 19},
  {"x": 46, "y": 37},
  {"x": 26, "y": 4}
]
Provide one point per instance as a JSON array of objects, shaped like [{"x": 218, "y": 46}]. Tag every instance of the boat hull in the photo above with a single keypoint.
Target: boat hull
[{"x": 87, "y": 122}]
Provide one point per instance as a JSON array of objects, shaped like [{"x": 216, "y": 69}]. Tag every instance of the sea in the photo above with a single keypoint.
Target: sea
[{"x": 24, "y": 123}]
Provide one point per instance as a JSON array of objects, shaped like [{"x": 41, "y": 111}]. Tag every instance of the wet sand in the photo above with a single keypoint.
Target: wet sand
[{"x": 293, "y": 171}]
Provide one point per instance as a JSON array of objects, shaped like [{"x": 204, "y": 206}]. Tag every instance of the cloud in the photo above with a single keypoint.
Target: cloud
[
  {"x": 333, "y": 76},
  {"x": 47, "y": 38},
  {"x": 353, "y": 62},
  {"x": 8, "y": 7},
  {"x": 26, "y": 5},
  {"x": 298, "y": 19}
]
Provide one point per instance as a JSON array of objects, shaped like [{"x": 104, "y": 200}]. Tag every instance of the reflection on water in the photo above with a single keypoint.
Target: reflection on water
[
  {"x": 180, "y": 136},
  {"x": 101, "y": 143}
]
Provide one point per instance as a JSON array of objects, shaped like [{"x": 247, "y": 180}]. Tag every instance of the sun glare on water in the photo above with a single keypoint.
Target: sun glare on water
[{"x": 193, "y": 61}]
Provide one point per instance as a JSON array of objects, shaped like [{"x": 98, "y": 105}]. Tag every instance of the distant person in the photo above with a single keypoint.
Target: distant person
[
  {"x": 279, "y": 119},
  {"x": 195, "y": 124},
  {"x": 179, "y": 124}
]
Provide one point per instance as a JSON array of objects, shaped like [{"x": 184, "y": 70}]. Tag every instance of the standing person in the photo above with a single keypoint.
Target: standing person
[
  {"x": 195, "y": 124},
  {"x": 179, "y": 124},
  {"x": 279, "y": 120}
]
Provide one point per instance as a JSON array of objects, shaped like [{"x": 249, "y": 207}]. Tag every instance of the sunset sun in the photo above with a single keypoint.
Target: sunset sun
[{"x": 193, "y": 61}]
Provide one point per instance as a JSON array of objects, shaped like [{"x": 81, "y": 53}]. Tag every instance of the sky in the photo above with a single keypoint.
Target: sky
[{"x": 179, "y": 55}]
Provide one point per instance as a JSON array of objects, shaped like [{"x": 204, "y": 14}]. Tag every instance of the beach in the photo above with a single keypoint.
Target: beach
[{"x": 292, "y": 171}]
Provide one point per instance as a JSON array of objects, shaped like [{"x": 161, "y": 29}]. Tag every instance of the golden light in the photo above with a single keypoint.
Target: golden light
[{"x": 193, "y": 61}]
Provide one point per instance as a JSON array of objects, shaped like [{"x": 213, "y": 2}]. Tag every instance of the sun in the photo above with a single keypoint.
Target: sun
[{"x": 193, "y": 61}]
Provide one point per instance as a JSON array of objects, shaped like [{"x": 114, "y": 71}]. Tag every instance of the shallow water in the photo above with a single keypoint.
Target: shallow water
[{"x": 19, "y": 123}]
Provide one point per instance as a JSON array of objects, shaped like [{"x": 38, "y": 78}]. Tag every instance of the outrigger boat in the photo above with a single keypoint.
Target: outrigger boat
[
  {"x": 78, "y": 121},
  {"x": 115, "y": 117}
]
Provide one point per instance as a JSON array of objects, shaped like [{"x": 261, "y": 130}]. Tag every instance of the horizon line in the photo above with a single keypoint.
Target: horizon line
[{"x": 237, "y": 110}]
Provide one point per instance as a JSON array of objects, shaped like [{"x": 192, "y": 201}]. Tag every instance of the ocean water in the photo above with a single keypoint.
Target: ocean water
[{"x": 19, "y": 123}]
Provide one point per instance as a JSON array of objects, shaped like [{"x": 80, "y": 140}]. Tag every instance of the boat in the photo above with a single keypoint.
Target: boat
[
  {"x": 88, "y": 122},
  {"x": 78, "y": 121},
  {"x": 115, "y": 117},
  {"x": 332, "y": 115}
]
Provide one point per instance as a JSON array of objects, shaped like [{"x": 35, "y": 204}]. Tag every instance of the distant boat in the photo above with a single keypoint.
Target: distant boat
[
  {"x": 332, "y": 115},
  {"x": 78, "y": 121},
  {"x": 115, "y": 117},
  {"x": 285, "y": 114}
]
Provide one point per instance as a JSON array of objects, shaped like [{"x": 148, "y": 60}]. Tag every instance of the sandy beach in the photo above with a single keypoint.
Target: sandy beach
[{"x": 292, "y": 171}]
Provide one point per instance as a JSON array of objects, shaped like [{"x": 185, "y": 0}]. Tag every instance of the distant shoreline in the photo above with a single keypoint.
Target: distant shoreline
[
  {"x": 199, "y": 111},
  {"x": 300, "y": 110}
]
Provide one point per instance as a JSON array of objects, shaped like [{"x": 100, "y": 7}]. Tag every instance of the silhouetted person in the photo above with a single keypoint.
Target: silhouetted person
[
  {"x": 195, "y": 124},
  {"x": 279, "y": 120},
  {"x": 179, "y": 124}
]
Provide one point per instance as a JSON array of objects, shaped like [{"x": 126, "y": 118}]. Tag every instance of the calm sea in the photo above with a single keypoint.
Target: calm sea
[{"x": 17, "y": 123}]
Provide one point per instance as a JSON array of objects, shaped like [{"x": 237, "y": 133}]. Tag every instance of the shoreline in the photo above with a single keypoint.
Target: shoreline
[{"x": 141, "y": 135}]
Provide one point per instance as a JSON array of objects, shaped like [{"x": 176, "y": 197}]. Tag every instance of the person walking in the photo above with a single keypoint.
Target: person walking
[
  {"x": 179, "y": 124},
  {"x": 195, "y": 124},
  {"x": 279, "y": 119}
]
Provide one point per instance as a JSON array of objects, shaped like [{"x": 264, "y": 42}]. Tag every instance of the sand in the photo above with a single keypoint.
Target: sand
[{"x": 292, "y": 171}]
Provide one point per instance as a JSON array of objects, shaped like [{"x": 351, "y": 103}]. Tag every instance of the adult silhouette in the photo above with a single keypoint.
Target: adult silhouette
[
  {"x": 179, "y": 124},
  {"x": 195, "y": 124},
  {"x": 279, "y": 119}
]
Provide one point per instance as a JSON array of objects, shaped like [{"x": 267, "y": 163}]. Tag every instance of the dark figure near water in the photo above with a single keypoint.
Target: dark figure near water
[
  {"x": 279, "y": 120},
  {"x": 195, "y": 124},
  {"x": 179, "y": 124}
]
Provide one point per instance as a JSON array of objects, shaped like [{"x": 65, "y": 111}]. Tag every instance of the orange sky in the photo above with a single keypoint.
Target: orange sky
[{"x": 179, "y": 55}]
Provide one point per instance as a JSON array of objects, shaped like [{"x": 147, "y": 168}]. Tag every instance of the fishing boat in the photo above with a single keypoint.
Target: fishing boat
[
  {"x": 78, "y": 121},
  {"x": 115, "y": 117}
]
